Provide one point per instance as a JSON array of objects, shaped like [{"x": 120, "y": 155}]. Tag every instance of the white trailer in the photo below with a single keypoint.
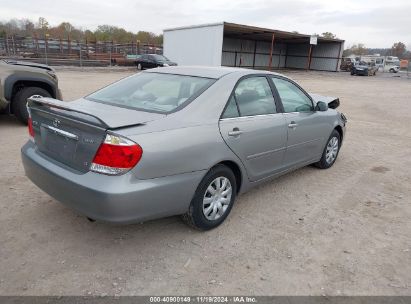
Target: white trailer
[{"x": 195, "y": 45}]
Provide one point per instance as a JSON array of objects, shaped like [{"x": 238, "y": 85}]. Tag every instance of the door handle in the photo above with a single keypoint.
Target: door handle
[
  {"x": 235, "y": 132},
  {"x": 292, "y": 124}
]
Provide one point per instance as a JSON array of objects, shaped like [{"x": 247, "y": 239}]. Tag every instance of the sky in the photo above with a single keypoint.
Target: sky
[{"x": 375, "y": 23}]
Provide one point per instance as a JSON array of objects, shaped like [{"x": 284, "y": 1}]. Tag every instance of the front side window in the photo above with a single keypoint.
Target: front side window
[
  {"x": 293, "y": 99},
  {"x": 254, "y": 97},
  {"x": 152, "y": 91}
]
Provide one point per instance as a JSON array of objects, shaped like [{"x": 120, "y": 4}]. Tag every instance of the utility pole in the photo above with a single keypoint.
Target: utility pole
[{"x": 45, "y": 46}]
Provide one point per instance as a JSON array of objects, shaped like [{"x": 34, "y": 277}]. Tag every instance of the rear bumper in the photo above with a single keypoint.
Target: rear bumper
[{"x": 116, "y": 199}]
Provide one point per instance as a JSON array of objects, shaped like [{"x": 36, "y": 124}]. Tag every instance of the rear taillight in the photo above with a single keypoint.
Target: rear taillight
[
  {"x": 116, "y": 155},
  {"x": 31, "y": 130}
]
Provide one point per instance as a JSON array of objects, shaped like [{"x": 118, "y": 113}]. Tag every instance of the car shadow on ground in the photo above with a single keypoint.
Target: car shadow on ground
[
  {"x": 11, "y": 121},
  {"x": 60, "y": 222}
]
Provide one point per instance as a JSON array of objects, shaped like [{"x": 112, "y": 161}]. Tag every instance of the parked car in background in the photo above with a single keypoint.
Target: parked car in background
[
  {"x": 391, "y": 64},
  {"x": 346, "y": 64},
  {"x": 177, "y": 140},
  {"x": 20, "y": 80},
  {"x": 392, "y": 68},
  {"x": 149, "y": 61},
  {"x": 362, "y": 68}
]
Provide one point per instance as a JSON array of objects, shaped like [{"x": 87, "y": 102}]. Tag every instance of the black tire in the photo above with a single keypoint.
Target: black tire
[
  {"x": 195, "y": 217},
  {"x": 323, "y": 163},
  {"x": 352, "y": 73},
  {"x": 19, "y": 101}
]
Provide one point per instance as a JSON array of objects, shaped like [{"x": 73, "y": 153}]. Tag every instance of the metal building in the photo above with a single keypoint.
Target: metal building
[{"x": 231, "y": 44}]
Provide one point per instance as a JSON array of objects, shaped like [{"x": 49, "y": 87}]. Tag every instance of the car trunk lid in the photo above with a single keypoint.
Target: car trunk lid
[{"x": 71, "y": 133}]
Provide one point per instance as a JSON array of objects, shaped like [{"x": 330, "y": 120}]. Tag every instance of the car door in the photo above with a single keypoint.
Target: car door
[
  {"x": 143, "y": 61},
  {"x": 306, "y": 127},
  {"x": 152, "y": 62},
  {"x": 253, "y": 128}
]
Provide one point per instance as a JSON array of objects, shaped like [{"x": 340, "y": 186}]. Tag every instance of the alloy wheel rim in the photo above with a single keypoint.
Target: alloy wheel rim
[
  {"x": 332, "y": 150},
  {"x": 217, "y": 198}
]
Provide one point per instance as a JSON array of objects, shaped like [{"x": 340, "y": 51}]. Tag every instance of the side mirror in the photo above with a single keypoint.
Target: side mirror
[{"x": 321, "y": 106}]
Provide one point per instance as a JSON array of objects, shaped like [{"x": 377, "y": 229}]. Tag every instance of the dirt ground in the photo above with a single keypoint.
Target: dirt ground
[{"x": 342, "y": 231}]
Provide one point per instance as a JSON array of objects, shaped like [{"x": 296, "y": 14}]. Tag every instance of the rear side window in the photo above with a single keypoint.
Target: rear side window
[
  {"x": 292, "y": 98},
  {"x": 154, "y": 92},
  {"x": 253, "y": 96},
  {"x": 231, "y": 110}
]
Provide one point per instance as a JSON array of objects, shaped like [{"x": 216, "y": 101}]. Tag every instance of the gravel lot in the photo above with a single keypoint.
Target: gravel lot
[{"x": 342, "y": 231}]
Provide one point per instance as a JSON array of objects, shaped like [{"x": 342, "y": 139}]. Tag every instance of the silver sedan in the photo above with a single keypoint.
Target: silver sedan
[{"x": 177, "y": 141}]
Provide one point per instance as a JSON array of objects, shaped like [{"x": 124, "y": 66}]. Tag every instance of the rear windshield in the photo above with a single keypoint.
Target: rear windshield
[{"x": 153, "y": 92}]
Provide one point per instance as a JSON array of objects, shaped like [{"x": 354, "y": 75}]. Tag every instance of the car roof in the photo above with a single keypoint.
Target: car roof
[{"x": 205, "y": 71}]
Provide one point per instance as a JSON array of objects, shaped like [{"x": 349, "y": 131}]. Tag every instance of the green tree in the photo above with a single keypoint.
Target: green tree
[
  {"x": 356, "y": 49},
  {"x": 329, "y": 35},
  {"x": 398, "y": 49},
  {"x": 105, "y": 32},
  {"x": 89, "y": 35},
  {"x": 43, "y": 24}
]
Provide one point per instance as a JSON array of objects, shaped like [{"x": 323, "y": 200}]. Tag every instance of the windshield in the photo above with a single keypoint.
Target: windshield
[
  {"x": 155, "y": 92},
  {"x": 160, "y": 58}
]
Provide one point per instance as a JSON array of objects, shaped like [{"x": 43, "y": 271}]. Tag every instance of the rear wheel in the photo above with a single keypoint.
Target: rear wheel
[
  {"x": 330, "y": 152},
  {"x": 213, "y": 199},
  {"x": 19, "y": 102}
]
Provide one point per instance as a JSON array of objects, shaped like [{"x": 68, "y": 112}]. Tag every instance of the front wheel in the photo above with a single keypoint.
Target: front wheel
[
  {"x": 213, "y": 199},
  {"x": 330, "y": 152}
]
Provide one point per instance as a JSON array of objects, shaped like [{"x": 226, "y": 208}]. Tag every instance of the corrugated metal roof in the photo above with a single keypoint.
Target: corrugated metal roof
[{"x": 254, "y": 33}]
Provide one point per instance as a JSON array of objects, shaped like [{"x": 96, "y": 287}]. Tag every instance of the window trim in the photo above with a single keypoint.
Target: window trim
[
  {"x": 278, "y": 106},
  {"x": 298, "y": 86}
]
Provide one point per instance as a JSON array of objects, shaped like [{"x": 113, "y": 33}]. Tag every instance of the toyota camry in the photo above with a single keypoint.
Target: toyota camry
[{"x": 177, "y": 141}]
